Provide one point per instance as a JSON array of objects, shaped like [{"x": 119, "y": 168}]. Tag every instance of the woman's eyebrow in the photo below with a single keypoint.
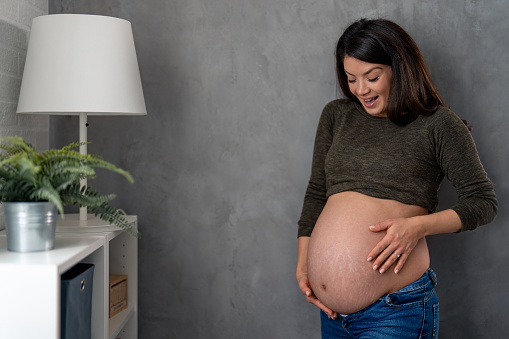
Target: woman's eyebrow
[{"x": 371, "y": 70}]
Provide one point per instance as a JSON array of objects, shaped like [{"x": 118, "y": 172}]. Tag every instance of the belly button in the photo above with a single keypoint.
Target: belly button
[{"x": 324, "y": 287}]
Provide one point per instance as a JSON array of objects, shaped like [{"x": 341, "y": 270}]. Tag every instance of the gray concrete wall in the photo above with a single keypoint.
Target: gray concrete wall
[
  {"x": 15, "y": 23},
  {"x": 234, "y": 90}
]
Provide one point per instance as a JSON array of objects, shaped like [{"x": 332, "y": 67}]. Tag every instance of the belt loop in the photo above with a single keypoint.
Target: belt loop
[{"x": 432, "y": 276}]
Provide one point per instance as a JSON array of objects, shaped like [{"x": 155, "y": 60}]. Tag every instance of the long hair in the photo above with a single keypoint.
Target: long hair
[{"x": 384, "y": 42}]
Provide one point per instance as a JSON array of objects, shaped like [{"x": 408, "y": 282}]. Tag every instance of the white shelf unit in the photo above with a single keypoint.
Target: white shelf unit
[{"x": 30, "y": 282}]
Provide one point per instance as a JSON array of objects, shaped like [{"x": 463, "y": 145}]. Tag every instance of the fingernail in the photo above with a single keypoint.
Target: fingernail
[
  {"x": 382, "y": 270},
  {"x": 370, "y": 258},
  {"x": 307, "y": 293},
  {"x": 396, "y": 271},
  {"x": 375, "y": 267},
  {"x": 372, "y": 227}
]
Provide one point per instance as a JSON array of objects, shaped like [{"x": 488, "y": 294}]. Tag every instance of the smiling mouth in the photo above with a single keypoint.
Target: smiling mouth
[{"x": 370, "y": 102}]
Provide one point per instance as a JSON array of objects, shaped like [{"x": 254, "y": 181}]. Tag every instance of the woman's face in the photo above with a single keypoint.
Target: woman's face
[{"x": 370, "y": 83}]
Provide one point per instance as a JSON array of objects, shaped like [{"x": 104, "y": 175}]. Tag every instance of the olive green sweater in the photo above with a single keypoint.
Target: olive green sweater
[{"x": 355, "y": 151}]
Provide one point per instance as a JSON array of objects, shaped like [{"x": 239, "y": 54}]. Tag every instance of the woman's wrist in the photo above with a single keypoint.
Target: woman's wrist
[
  {"x": 446, "y": 221},
  {"x": 299, "y": 276},
  {"x": 302, "y": 265}
]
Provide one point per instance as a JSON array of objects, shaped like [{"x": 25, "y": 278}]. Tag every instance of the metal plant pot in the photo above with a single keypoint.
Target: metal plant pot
[{"x": 30, "y": 226}]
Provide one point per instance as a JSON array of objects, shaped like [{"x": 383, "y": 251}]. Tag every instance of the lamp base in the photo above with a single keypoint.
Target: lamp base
[{"x": 93, "y": 224}]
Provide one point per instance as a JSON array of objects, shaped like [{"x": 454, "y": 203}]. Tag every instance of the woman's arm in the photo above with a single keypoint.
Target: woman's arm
[
  {"x": 302, "y": 278},
  {"x": 302, "y": 256},
  {"x": 314, "y": 201},
  {"x": 456, "y": 154},
  {"x": 315, "y": 197},
  {"x": 403, "y": 234}
]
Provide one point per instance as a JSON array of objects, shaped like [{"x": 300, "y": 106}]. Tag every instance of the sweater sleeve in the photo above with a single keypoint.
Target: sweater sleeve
[
  {"x": 458, "y": 158},
  {"x": 315, "y": 197}
]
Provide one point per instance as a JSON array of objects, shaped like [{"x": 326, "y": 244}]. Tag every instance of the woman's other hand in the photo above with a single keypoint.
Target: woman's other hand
[
  {"x": 402, "y": 235},
  {"x": 305, "y": 288}
]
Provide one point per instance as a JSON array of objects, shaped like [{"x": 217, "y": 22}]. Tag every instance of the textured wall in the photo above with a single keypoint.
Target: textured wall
[
  {"x": 15, "y": 22},
  {"x": 234, "y": 90}
]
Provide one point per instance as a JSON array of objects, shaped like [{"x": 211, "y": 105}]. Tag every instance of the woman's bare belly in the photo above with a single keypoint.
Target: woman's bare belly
[{"x": 339, "y": 273}]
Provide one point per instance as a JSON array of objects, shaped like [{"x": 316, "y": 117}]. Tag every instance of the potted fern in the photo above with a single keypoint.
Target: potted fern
[{"x": 35, "y": 185}]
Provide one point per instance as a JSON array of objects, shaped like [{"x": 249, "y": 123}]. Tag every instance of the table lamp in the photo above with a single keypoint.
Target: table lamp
[{"x": 79, "y": 64}]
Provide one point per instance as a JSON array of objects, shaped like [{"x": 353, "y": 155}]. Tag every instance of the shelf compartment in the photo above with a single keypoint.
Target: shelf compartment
[{"x": 119, "y": 321}]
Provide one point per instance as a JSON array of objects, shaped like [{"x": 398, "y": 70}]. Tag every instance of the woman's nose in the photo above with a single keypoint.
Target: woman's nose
[{"x": 362, "y": 89}]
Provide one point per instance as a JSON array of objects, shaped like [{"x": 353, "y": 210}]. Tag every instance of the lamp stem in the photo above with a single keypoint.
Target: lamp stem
[{"x": 83, "y": 150}]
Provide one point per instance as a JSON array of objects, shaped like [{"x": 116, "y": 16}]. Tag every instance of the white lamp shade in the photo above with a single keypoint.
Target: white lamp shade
[{"x": 80, "y": 63}]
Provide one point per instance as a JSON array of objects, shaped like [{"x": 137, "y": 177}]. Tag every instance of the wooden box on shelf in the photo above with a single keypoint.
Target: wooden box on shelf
[{"x": 118, "y": 293}]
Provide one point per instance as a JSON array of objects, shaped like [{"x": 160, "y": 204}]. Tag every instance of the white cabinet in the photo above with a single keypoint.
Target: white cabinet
[{"x": 30, "y": 282}]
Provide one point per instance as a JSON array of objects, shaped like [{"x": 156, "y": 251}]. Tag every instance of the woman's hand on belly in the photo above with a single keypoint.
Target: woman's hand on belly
[
  {"x": 402, "y": 235},
  {"x": 305, "y": 288}
]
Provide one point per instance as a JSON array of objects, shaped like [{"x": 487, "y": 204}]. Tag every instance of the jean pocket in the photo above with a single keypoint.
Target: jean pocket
[{"x": 412, "y": 298}]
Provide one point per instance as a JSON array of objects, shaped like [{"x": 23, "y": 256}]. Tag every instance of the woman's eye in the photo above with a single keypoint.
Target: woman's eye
[
  {"x": 374, "y": 79},
  {"x": 351, "y": 81}
]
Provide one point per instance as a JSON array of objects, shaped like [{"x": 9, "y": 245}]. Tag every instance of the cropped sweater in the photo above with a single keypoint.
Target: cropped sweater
[{"x": 355, "y": 151}]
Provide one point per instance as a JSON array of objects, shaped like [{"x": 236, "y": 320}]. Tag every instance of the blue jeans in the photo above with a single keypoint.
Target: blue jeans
[{"x": 411, "y": 312}]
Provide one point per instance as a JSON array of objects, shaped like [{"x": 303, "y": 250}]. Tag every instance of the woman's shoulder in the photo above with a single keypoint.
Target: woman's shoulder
[
  {"x": 335, "y": 113},
  {"x": 445, "y": 126},
  {"x": 443, "y": 118},
  {"x": 339, "y": 107},
  {"x": 340, "y": 104}
]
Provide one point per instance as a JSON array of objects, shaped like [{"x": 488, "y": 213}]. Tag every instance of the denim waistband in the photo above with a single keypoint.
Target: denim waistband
[{"x": 428, "y": 277}]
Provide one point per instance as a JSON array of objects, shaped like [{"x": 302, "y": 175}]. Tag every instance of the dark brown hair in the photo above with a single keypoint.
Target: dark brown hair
[{"x": 384, "y": 42}]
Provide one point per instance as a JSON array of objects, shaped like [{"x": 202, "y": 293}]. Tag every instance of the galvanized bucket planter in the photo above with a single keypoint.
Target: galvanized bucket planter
[{"x": 30, "y": 226}]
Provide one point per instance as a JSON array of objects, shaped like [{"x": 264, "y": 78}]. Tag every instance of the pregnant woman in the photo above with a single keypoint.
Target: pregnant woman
[{"x": 379, "y": 158}]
